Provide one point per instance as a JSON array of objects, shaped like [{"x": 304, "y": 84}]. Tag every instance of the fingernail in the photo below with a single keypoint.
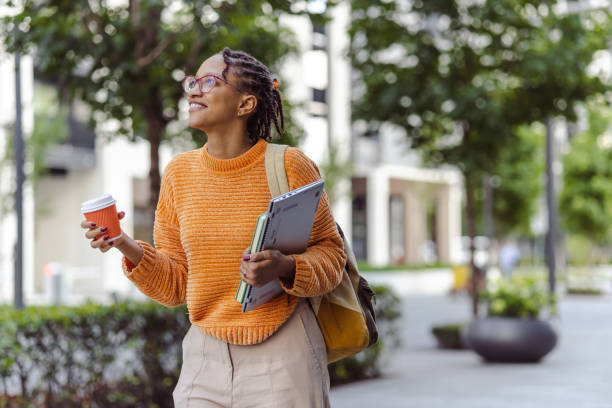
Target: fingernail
[
  {"x": 247, "y": 257},
  {"x": 111, "y": 243},
  {"x": 92, "y": 226},
  {"x": 104, "y": 229},
  {"x": 106, "y": 237}
]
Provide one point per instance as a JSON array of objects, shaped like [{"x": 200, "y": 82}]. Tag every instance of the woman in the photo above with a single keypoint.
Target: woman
[{"x": 209, "y": 202}]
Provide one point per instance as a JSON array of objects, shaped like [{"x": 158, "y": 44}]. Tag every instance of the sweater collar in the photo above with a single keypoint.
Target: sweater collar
[{"x": 237, "y": 163}]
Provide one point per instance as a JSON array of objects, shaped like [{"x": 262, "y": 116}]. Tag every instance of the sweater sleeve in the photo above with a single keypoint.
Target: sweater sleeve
[
  {"x": 318, "y": 270},
  {"x": 161, "y": 274}
]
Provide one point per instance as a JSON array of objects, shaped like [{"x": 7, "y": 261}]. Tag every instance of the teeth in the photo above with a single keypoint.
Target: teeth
[{"x": 195, "y": 105}]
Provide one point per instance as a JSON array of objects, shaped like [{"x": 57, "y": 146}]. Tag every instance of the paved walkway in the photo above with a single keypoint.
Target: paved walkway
[{"x": 578, "y": 373}]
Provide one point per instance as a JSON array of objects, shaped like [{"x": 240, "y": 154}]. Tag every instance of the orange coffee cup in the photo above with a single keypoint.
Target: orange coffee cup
[{"x": 103, "y": 211}]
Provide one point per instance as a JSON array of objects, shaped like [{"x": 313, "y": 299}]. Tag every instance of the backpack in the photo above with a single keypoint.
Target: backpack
[{"x": 346, "y": 314}]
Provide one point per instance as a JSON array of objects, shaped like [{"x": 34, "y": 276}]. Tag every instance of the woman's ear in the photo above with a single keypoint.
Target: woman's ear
[{"x": 248, "y": 103}]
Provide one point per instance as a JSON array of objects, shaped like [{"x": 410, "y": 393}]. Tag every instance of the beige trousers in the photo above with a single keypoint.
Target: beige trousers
[{"x": 289, "y": 369}]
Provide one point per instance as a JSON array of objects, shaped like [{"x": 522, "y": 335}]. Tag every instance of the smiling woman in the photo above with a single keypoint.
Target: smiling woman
[{"x": 209, "y": 202}]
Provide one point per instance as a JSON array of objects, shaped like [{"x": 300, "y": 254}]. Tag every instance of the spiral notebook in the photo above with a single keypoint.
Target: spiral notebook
[{"x": 286, "y": 226}]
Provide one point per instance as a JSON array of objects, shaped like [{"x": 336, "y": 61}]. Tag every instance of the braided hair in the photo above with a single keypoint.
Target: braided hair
[{"x": 255, "y": 78}]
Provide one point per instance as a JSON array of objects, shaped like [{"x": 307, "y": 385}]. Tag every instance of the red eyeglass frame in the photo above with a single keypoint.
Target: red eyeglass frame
[{"x": 200, "y": 83}]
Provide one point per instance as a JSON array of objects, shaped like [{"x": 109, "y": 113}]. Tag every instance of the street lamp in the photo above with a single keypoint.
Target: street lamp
[{"x": 19, "y": 159}]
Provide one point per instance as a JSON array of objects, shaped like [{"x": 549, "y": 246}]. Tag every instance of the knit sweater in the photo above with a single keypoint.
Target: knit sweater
[{"x": 204, "y": 221}]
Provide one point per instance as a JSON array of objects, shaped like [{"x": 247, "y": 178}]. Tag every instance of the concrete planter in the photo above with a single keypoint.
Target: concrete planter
[
  {"x": 450, "y": 336},
  {"x": 503, "y": 339}
]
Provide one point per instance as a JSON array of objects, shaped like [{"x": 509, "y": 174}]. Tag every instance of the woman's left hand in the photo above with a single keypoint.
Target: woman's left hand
[{"x": 261, "y": 267}]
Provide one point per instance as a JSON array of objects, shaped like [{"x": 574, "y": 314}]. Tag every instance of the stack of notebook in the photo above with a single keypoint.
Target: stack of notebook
[{"x": 286, "y": 226}]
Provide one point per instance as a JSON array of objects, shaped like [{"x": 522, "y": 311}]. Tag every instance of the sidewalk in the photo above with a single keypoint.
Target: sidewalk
[{"x": 576, "y": 374}]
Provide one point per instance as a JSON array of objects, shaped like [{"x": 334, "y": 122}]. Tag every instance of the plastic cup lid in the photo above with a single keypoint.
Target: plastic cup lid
[{"x": 98, "y": 203}]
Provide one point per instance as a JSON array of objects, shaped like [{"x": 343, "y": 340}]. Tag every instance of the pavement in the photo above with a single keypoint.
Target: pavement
[{"x": 577, "y": 373}]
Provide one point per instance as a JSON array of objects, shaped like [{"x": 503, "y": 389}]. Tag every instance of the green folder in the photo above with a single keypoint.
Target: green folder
[{"x": 256, "y": 243}]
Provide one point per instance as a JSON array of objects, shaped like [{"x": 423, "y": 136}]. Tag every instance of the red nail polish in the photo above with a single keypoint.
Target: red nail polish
[
  {"x": 104, "y": 229},
  {"x": 111, "y": 243},
  {"x": 106, "y": 237},
  {"x": 246, "y": 257}
]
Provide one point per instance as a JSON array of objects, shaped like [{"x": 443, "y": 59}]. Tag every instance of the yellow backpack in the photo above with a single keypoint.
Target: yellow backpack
[{"x": 346, "y": 314}]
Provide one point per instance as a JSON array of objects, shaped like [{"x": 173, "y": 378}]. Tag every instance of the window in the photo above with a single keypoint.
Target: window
[
  {"x": 360, "y": 230},
  {"x": 319, "y": 38},
  {"x": 319, "y": 95}
]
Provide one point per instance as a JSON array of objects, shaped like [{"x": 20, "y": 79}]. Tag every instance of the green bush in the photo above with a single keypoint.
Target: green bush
[
  {"x": 125, "y": 355},
  {"x": 449, "y": 336},
  {"x": 367, "y": 363},
  {"x": 520, "y": 296}
]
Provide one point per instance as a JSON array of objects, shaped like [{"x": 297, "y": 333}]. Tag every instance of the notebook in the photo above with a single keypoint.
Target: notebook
[{"x": 286, "y": 226}]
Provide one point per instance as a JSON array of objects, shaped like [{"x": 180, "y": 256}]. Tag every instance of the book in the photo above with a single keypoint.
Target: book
[
  {"x": 288, "y": 224},
  {"x": 256, "y": 242}
]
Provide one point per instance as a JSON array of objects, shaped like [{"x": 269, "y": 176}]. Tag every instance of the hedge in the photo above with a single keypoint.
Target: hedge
[
  {"x": 124, "y": 355},
  {"x": 367, "y": 364}
]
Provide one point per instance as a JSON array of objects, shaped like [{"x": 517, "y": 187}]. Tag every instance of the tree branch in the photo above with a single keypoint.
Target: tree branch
[
  {"x": 156, "y": 52},
  {"x": 92, "y": 16},
  {"x": 193, "y": 54}
]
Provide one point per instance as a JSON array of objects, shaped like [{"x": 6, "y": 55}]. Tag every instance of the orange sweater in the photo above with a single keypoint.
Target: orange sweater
[{"x": 205, "y": 219}]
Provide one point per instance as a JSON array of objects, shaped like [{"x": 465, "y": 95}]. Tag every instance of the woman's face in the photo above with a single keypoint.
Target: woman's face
[{"x": 218, "y": 106}]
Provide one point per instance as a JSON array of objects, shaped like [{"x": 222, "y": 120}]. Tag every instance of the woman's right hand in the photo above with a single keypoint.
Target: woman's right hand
[{"x": 98, "y": 230}]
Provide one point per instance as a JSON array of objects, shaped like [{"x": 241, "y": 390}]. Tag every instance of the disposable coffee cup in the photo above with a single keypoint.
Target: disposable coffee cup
[{"x": 103, "y": 211}]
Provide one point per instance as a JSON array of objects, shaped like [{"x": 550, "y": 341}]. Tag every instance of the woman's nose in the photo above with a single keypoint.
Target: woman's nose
[{"x": 195, "y": 91}]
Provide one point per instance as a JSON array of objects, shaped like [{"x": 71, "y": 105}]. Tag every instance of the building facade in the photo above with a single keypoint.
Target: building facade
[{"x": 393, "y": 210}]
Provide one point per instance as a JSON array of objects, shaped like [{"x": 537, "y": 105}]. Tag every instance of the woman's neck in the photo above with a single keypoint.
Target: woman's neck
[{"x": 228, "y": 144}]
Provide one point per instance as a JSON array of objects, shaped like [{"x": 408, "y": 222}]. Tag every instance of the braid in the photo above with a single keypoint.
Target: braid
[
  {"x": 278, "y": 112},
  {"x": 254, "y": 77}
]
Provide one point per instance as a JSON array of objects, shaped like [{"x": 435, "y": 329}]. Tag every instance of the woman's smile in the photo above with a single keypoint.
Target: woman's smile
[{"x": 196, "y": 106}]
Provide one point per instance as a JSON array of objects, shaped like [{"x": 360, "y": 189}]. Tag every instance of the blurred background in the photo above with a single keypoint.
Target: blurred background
[{"x": 467, "y": 151}]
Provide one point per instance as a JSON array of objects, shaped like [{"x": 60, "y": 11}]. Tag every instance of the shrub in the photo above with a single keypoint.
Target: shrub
[
  {"x": 125, "y": 355},
  {"x": 520, "y": 296},
  {"x": 449, "y": 336},
  {"x": 367, "y": 363},
  {"x": 122, "y": 355}
]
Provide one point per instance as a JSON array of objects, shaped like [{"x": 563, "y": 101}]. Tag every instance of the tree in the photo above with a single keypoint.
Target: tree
[
  {"x": 585, "y": 202},
  {"x": 334, "y": 171},
  {"x": 517, "y": 183},
  {"x": 459, "y": 76},
  {"x": 50, "y": 128},
  {"x": 125, "y": 61}
]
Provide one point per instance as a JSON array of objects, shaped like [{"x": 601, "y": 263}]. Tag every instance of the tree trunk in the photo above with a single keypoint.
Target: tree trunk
[
  {"x": 153, "y": 108},
  {"x": 155, "y": 129},
  {"x": 471, "y": 226}
]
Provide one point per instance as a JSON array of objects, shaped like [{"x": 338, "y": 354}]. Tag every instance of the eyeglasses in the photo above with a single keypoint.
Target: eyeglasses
[{"x": 206, "y": 83}]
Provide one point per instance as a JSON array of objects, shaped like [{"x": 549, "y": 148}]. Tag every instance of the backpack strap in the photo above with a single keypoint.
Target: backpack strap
[
  {"x": 277, "y": 183},
  {"x": 275, "y": 169}
]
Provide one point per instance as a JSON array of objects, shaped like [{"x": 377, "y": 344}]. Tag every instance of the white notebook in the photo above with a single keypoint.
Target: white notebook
[{"x": 288, "y": 224}]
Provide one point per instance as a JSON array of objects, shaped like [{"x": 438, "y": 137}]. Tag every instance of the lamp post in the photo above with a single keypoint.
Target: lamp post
[
  {"x": 19, "y": 159},
  {"x": 551, "y": 204}
]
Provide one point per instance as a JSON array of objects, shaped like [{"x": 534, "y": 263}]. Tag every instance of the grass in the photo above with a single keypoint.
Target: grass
[
  {"x": 364, "y": 266},
  {"x": 584, "y": 291}
]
